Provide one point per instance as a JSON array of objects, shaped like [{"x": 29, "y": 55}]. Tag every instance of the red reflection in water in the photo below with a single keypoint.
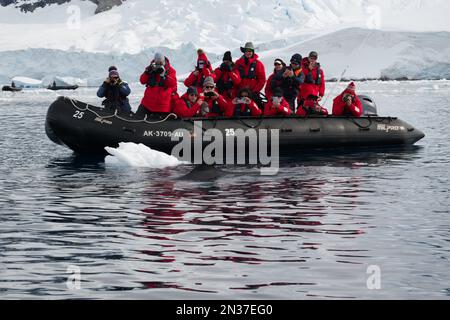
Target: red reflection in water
[{"x": 282, "y": 208}]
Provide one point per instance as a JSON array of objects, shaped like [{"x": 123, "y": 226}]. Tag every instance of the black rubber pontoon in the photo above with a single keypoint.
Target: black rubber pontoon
[
  {"x": 12, "y": 89},
  {"x": 88, "y": 130},
  {"x": 62, "y": 87}
]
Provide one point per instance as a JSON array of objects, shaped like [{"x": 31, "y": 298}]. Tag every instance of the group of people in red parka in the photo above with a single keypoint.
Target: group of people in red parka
[{"x": 233, "y": 89}]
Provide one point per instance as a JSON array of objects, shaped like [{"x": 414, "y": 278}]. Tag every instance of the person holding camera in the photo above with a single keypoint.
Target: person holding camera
[
  {"x": 214, "y": 104},
  {"x": 252, "y": 72},
  {"x": 202, "y": 70},
  {"x": 311, "y": 107},
  {"x": 290, "y": 80},
  {"x": 189, "y": 104},
  {"x": 314, "y": 81},
  {"x": 347, "y": 103},
  {"x": 115, "y": 92},
  {"x": 243, "y": 105},
  {"x": 160, "y": 80},
  {"x": 227, "y": 79},
  {"x": 277, "y": 105},
  {"x": 274, "y": 80}
]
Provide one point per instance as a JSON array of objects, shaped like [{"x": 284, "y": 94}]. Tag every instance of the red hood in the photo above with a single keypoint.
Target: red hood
[
  {"x": 349, "y": 92},
  {"x": 351, "y": 89},
  {"x": 202, "y": 57}
]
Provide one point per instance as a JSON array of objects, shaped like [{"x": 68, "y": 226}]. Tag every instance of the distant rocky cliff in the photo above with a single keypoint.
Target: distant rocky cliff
[{"x": 31, "y": 5}]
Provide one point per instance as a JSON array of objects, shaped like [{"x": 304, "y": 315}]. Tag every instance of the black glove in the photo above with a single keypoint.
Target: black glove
[
  {"x": 226, "y": 67},
  {"x": 148, "y": 70}
]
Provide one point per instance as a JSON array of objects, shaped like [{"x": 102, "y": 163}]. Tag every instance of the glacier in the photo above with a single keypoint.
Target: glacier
[{"x": 367, "y": 38}]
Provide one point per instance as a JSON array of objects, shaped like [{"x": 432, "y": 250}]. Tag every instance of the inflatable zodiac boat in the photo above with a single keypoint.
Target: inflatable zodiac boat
[{"x": 87, "y": 129}]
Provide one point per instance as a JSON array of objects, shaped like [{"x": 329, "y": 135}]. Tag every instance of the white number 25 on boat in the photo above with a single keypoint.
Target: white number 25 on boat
[
  {"x": 230, "y": 132},
  {"x": 78, "y": 114}
]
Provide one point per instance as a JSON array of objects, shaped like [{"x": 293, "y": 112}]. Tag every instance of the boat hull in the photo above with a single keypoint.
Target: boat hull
[
  {"x": 63, "y": 88},
  {"x": 87, "y": 130},
  {"x": 11, "y": 89}
]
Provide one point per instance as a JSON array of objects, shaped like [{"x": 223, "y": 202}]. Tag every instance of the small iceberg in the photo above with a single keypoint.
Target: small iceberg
[
  {"x": 25, "y": 82},
  {"x": 139, "y": 155}
]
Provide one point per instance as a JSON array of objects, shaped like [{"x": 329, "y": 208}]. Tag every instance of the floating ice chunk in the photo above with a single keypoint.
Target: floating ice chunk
[{"x": 139, "y": 155}]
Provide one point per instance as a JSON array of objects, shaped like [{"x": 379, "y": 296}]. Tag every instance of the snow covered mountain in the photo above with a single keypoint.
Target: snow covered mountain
[
  {"x": 31, "y": 5},
  {"x": 411, "y": 37}
]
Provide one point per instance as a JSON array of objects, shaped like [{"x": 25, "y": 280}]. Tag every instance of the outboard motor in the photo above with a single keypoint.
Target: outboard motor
[{"x": 369, "y": 106}]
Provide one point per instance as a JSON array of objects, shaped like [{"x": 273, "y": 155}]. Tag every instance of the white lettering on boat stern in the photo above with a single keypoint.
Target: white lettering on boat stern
[
  {"x": 387, "y": 128},
  {"x": 162, "y": 134}
]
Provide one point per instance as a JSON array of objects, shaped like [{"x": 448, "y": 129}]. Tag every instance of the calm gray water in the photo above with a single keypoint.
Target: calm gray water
[{"x": 310, "y": 232}]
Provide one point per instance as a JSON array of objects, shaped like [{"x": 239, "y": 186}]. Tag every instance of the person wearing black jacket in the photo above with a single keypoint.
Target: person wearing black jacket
[
  {"x": 289, "y": 80},
  {"x": 115, "y": 92}
]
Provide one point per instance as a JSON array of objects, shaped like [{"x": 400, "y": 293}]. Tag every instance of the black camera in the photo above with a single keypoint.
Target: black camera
[
  {"x": 347, "y": 98},
  {"x": 226, "y": 66},
  {"x": 210, "y": 94}
]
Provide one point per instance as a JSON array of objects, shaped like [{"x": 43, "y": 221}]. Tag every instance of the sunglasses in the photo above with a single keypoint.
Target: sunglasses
[
  {"x": 249, "y": 51},
  {"x": 209, "y": 87},
  {"x": 277, "y": 64},
  {"x": 295, "y": 63}
]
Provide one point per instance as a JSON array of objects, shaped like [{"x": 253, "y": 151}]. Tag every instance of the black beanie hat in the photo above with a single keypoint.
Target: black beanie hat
[
  {"x": 297, "y": 58},
  {"x": 192, "y": 90},
  {"x": 112, "y": 68},
  {"x": 227, "y": 56},
  {"x": 278, "y": 92}
]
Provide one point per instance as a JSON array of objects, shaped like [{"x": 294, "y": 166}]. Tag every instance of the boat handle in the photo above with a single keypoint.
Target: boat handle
[
  {"x": 286, "y": 130},
  {"x": 364, "y": 129},
  {"x": 129, "y": 130},
  {"x": 411, "y": 129},
  {"x": 314, "y": 129}
]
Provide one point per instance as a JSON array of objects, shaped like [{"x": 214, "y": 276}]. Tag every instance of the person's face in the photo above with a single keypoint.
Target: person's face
[
  {"x": 159, "y": 63},
  {"x": 276, "y": 101},
  {"x": 114, "y": 78},
  {"x": 295, "y": 65},
  {"x": 248, "y": 53},
  {"x": 348, "y": 98},
  {"x": 192, "y": 97},
  {"x": 208, "y": 88},
  {"x": 278, "y": 66},
  {"x": 312, "y": 60},
  {"x": 244, "y": 95}
]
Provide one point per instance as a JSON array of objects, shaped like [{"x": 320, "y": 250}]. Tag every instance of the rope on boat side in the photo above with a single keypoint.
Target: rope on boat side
[
  {"x": 359, "y": 125},
  {"x": 115, "y": 115}
]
